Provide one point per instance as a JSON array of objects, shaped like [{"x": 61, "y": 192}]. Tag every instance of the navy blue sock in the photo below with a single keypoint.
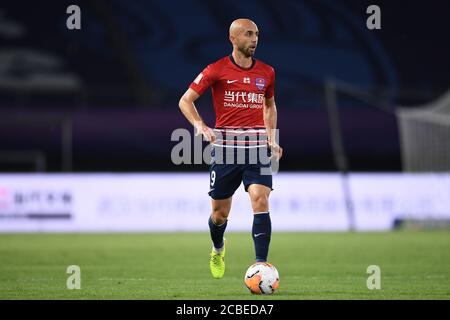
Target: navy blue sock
[
  {"x": 261, "y": 233},
  {"x": 217, "y": 232}
]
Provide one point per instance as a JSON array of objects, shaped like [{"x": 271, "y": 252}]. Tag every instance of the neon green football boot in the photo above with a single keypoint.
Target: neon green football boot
[{"x": 217, "y": 262}]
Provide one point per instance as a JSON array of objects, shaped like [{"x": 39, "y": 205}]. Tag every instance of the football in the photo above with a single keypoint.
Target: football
[{"x": 262, "y": 278}]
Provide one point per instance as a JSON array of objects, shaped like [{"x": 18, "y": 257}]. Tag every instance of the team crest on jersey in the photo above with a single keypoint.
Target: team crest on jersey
[{"x": 260, "y": 83}]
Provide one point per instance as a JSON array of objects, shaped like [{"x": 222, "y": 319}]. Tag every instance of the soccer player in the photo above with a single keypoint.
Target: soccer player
[{"x": 244, "y": 103}]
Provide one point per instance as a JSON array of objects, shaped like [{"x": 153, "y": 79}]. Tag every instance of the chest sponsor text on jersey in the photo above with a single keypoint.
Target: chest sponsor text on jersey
[{"x": 243, "y": 99}]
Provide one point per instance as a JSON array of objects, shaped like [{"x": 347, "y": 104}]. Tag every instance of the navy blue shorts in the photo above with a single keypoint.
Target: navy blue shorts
[{"x": 225, "y": 178}]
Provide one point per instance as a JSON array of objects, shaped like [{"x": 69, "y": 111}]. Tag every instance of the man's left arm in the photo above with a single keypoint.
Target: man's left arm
[{"x": 270, "y": 121}]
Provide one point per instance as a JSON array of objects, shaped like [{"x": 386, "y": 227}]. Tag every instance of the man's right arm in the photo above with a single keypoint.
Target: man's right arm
[{"x": 189, "y": 110}]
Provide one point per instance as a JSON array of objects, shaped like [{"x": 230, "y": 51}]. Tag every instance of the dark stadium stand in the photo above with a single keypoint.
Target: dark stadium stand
[{"x": 133, "y": 60}]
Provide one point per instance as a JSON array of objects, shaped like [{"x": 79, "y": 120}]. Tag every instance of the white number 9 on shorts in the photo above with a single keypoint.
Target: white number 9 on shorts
[{"x": 213, "y": 177}]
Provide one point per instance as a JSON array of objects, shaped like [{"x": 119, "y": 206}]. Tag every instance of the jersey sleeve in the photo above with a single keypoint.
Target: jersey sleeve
[
  {"x": 271, "y": 88},
  {"x": 204, "y": 80}
]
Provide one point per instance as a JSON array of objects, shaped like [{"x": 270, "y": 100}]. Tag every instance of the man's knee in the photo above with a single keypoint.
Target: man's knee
[
  {"x": 260, "y": 202},
  {"x": 220, "y": 211},
  {"x": 219, "y": 216}
]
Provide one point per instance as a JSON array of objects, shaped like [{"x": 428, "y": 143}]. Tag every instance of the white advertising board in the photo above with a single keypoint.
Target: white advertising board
[{"x": 179, "y": 202}]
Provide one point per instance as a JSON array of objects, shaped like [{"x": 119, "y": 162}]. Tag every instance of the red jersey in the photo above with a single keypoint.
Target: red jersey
[{"x": 238, "y": 93}]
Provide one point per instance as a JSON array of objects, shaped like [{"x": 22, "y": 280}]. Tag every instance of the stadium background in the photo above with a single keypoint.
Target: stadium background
[{"x": 86, "y": 118}]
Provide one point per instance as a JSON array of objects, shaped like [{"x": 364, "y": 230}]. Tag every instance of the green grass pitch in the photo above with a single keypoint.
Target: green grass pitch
[{"x": 414, "y": 265}]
